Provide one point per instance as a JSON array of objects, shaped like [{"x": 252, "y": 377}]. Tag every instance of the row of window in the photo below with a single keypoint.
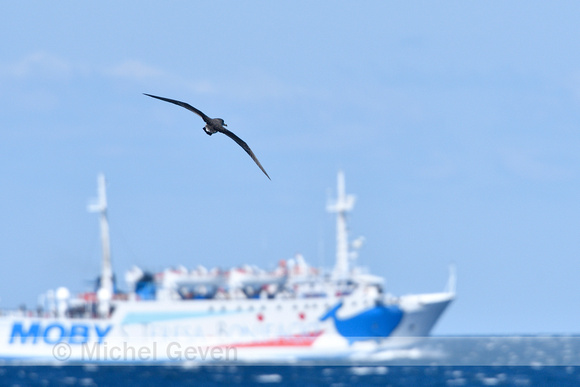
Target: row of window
[{"x": 253, "y": 308}]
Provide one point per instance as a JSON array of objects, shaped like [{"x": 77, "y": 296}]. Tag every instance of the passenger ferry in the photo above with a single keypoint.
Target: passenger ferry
[{"x": 295, "y": 312}]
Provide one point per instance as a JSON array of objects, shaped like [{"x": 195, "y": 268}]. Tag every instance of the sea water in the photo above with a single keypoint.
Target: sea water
[{"x": 290, "y": 376}]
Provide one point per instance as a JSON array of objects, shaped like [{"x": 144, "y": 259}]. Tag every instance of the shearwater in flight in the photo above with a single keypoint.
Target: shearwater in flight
[{"x": 214, "y": 125}]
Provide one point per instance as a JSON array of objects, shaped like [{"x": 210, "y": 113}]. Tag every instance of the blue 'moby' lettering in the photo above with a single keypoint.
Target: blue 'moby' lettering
[
  {"x": 56, "y": 332},
  {"x": 79, "y": 334},
  {"x": 50, "y": 337},
  {"x": 18, "y": 330}
]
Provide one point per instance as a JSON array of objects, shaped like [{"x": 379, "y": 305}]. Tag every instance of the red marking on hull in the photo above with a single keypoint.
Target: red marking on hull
[{"x": 304, "y": 340}]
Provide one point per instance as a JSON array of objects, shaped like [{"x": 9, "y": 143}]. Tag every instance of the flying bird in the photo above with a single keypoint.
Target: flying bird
[{"x": 214, "y": 125}]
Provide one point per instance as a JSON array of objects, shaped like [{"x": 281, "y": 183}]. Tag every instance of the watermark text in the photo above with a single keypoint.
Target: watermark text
[{"x": 147, "y": 352}]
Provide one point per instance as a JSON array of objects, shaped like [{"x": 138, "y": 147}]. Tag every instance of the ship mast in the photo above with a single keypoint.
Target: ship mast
[
  {"x": 343, "y": 204},
  {"x": 105, "y": 291}
]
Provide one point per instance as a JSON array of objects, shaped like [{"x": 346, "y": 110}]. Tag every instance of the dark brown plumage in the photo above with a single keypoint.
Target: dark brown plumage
[{"x": 213, "y": 125}]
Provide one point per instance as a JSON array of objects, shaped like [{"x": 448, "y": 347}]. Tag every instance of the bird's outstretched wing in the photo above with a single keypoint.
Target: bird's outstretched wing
[
  {"x": 184, "y": 105},
  {"x": 245, "y": 146}
]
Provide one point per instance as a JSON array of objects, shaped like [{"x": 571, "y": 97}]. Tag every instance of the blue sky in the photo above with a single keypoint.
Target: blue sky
[{"x": 457, "y": 126}]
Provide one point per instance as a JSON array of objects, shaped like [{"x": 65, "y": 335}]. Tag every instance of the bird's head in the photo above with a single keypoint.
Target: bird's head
[{"x": 221, "y": 121}]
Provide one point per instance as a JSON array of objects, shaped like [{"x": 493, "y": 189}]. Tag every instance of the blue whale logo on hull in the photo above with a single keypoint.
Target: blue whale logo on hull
[{"x": 375, "y": 323}]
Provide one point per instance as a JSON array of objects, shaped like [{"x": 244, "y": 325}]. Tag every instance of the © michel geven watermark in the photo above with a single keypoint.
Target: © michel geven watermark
[{"x": 146, "y": 352}]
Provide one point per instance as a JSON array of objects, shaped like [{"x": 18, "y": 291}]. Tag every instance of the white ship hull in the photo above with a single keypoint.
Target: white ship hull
[{"x": 244, "y": 330}]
